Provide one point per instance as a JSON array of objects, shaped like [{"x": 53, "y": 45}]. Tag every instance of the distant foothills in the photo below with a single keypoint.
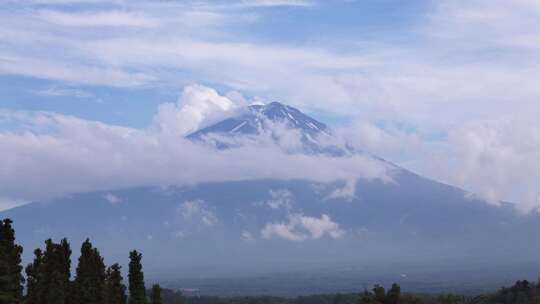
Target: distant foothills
[{"x": 47, "y": 280}]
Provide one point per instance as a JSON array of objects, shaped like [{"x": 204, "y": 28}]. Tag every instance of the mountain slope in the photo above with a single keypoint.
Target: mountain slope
[{"x": 218, "y": 229}]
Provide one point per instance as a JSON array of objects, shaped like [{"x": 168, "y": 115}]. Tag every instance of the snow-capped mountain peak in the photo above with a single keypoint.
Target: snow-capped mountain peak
[{"x": 258, "y": 119}]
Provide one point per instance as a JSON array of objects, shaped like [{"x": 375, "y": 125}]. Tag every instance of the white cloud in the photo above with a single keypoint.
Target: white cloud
[
  {"x": 210, "y": 19},
  {"x": 377, "y": 83},
  {"x": 497, "y": 160},
  {"x": 402, "y": 81},
  {"x": 281, "y": 198},
  {"x": 97, "y": 19},
  {"x": 301, "y": 228},
  {"x": 180, "y": 44},
  {"x": 111, "y": 198},
  {"x": 6, "y": 204},
  {"x": 320, "y": 227},
  {"x": 197, "y": 107},
  {"x": 272, "y": 3},
  {"x": 53, "y": 2},
  {"x": 68, "y": 92},
  {"x": 282, "y": 230},
  {"x": 347, "y": 192},
  {"x": 179, "y": 234},
  {"x": 72, "y": 72},
  {"x": 247, "y": 236},
  {"x": 198, "y": 210},
  {"x": 490, "y": 23}
]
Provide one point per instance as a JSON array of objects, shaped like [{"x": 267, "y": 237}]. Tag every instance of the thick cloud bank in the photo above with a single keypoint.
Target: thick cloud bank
[{"x": 53, "y": 155}]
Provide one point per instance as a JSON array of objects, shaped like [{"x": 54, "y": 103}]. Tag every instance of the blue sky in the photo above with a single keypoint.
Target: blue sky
[{"x": 446, "y": 88}]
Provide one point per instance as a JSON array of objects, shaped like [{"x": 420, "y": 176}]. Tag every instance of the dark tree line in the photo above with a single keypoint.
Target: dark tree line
[
  {"x": 378, "y": 295},
  {"x": 48, "y": 281},
  {"x": 522, "y": 292},
  {"x": 11, "y": 279},
  {"x": 48, "y": 277}
]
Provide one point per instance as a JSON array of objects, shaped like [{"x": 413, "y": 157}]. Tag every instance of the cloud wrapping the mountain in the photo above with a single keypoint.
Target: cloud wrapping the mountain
[
  {"x": 495, "y": 159},
  {"x": 52, "y": 155},
  {"x": 489, "y": 158}
]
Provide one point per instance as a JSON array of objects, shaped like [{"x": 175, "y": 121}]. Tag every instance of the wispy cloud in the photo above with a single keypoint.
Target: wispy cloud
[
  {"x": 10, "y": 203},
  {"x": 73, "y": 72},
  {"x": 98, "y": 19},
  {"x": 272, "y": 3},
  {"x": 67, "y": 92}
]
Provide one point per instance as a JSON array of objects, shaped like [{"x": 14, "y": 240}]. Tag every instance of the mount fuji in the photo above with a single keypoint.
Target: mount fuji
[
  {"x": 260, "y": 120},
  {"x": 255, "y": 118},
  {"x": 261, "y": 226}
]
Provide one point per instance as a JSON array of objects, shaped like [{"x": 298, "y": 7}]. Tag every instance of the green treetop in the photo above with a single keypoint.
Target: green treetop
[{"x": 11, "y": 278}]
